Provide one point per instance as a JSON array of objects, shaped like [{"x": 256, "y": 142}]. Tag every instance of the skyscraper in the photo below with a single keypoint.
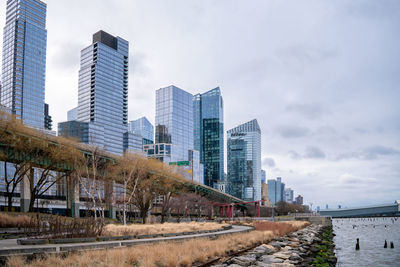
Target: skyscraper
[
  {"x": 289, "y": 195},
  {"x": 24, "y": 61},
  {"x": 263, "y": 177},
  {"x": 103, "y": 88},
  {"x": 244, "y": 161},
  {"x": 208, "y": 119},
  {"x": 174, "y": 121},
  {"x": 142, "y": 127},
  {"x": 276, "y": 190},
  {"x": 174, "y": 133}
]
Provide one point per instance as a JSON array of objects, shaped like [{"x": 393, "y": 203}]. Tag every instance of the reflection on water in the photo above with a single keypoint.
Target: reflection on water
[{"x": 372, "y": 233}]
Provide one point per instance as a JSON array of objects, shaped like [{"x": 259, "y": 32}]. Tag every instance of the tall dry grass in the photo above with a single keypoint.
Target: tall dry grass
[
  {"x": 185, "y": 253},
  {"x": 150, "y": 229},
  {"x": 280, "y": 228},
  {"x": 18, "y": 221}
]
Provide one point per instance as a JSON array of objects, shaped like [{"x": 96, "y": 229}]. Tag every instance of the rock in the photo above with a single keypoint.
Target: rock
[
  {"x": 280, "y": 255},
  {"x": 234, "y": 265},
  {"x": 246, "y": 260},
  {"x": 269, "y": 259},
  {"x": 263, "y": 264},
  {"x": 295, "y": 257}
]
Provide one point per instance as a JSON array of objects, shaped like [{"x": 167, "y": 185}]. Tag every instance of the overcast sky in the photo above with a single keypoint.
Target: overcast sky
[{"x": 321, "y": 77}]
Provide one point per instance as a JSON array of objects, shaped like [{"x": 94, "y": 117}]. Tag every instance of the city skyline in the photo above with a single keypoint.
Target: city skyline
[{"x": 317, "y": 132}]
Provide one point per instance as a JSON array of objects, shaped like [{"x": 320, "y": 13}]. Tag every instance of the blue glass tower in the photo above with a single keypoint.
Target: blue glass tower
[
  {"x": 244, "y": 161},
  {"x": 143, "y": 127},
  {"x": 208, "y": 120},
  {"x": 174, "y": 121},
  {"x": 103, "y": 88},
  {"x": 24, "y": 61},
  {"x": 276, "y": 190}
]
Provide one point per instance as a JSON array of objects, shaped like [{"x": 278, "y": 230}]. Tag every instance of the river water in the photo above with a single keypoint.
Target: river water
[{"x": 372, "y": 233}]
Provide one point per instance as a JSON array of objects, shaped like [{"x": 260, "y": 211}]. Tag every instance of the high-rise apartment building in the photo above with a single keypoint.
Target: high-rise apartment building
[
  {"x": 143, "y": 127},
  {"x": 208, "y": 135},
  {"x": 103, "y": 88},
  {"x": 24, "y": 61},
  {"x": 244, "y": 161},
  {"x": 276, "y": 190}
]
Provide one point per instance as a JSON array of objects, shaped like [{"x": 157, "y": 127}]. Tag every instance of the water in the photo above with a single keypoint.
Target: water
[{"x": 372, "y": 233}]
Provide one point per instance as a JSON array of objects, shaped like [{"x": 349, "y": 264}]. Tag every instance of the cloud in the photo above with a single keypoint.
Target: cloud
[
  {"x": 293, "y": 131},
  {"x": 294, "y": 155},
  {"x": 309, "y": 111},
  {"x": 370, "y": 153},
  {"x": 270, "y": 162},
  {"x": 313, "y": 152}
]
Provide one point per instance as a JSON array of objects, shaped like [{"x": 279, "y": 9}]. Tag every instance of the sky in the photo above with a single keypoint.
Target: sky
[{"x": 321, "y": 77}]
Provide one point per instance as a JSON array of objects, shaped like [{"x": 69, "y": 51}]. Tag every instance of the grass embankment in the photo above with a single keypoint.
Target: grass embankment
[
  {"x": 150, "y": 229},
  {"x": 184, "y": 253}
]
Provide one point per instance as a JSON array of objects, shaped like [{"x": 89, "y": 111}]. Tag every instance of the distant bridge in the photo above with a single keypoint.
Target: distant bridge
[{"x": 378, "y": 210}]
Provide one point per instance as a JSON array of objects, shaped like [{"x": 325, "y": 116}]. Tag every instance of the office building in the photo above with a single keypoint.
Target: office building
[
  {"x": 102, "y": 95},
  {"x": 133, "y": 143},
  {"x": 289, "y": 195},
  {"x": 72, "y": 114},
  {"x": 244, "y": 161},
  {"x": 84, "y": 132},
  {"x": 276, "y": 190},
  {"x": 263, "y": 177},
  {"x": 174, "y": 132},
  {"x": 24, "y": 61},
  {"x": 143, "y": 127},
  {"x": 208, "y": 135},
  {"x": 174, "y": 121}
]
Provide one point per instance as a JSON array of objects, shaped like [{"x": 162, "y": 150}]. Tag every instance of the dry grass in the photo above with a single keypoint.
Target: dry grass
[
  {"x": 150, "y": 229},
  {"x": 280, "y": 228},
  {"x": 7, "y": 220},
  {"x": 163, "y": 254}
]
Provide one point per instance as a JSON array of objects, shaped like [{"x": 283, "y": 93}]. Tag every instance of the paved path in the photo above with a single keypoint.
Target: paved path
[{"x": 10, "y": 247}]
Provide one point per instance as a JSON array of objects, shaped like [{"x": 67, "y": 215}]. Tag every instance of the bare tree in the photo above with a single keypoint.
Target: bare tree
[
  {"x": 90, "y": 170},
  {"x": 129, "y": 170}
]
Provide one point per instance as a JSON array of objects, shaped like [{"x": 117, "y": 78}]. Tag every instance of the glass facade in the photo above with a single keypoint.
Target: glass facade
[
  {"x": 103, "y": 88},
  {"x": 174, "y": 121},
  {"x": 84, "y": 132},
  {"x": 263, "y": 177},
  {"x": 276, "y": 190},
  {"x": 142, "y": 127},
  {"x": 208, "y": 134},
  {"x": 133, "y": 143},
  {"x": 24, "y": 60},
  {"x": 72, "y": 114},
  {"x": 244, "y": 161}
]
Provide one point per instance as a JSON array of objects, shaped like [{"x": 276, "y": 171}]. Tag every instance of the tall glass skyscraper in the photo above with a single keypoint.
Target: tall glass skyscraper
[
  {"x": 276, "y": 190},
  {"x": 143, "y": 127},
  {"x": 103, "y": 88},
  {"x": 208, "y": 119},
  {"x": 174, "y": 121},
  {"x": 24, "y": 60},
  {"x": 244, "y": 161}
]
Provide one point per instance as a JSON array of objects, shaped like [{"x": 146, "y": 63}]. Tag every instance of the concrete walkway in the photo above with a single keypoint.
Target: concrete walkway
[{"x": 10, "y": 247}]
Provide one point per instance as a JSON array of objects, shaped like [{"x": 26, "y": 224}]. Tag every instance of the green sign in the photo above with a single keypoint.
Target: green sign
[{"x": 180, "y": 163}]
